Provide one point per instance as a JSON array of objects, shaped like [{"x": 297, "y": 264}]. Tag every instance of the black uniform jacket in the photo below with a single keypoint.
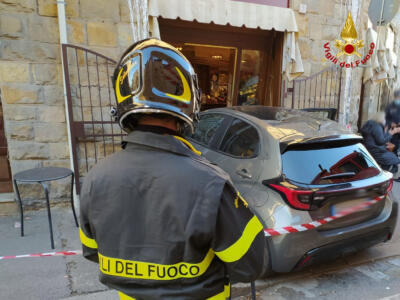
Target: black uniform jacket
[{"x": 164, "y": 223}]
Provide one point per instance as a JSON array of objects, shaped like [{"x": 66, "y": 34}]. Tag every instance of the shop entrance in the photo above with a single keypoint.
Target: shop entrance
[
  {"x": 235, "y": 66},
  {"x": 215, "y": 68}
]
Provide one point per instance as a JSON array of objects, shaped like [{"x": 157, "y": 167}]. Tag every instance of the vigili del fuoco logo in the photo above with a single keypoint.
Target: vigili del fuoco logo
[{"x": 349, "y": 46}]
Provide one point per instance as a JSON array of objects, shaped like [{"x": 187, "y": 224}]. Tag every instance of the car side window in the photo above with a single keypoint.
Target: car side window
[
  {"x": 241, "y": 140},
  {"x": 206, "y": 128}
]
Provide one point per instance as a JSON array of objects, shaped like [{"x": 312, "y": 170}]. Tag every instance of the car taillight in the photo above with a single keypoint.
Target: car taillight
[
  {"x": 389, "y": 186},
  {"x": 300, "y": 199}
]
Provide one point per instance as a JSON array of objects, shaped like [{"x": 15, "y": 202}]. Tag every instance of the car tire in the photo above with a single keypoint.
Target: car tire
[{"x": 267, "y": 266}]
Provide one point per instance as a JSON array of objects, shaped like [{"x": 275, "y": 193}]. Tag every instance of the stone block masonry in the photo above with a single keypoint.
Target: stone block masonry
[
  {"x": 101, "y": 34},
  {"x": 31, "y": 82},
  {"x": 322, "y": 23}
]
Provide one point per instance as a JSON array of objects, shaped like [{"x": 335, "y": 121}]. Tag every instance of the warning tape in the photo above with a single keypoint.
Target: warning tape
[
  {"x": 60, "y": 253},
  {"x": 267, "y": 231},
  {"x": 317, "y": 223}
]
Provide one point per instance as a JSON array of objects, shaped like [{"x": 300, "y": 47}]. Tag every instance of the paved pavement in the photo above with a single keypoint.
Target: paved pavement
[{"x": 371, "y": 274}]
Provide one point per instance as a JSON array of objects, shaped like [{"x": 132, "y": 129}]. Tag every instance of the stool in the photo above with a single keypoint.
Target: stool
[{"x": 41, "y": 175}]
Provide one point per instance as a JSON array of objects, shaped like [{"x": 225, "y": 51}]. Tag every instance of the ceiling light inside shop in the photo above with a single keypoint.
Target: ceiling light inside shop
[{"x": 216, "y": 57}]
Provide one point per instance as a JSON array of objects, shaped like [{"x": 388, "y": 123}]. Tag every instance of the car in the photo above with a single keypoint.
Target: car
[{"x": 317, "y": 190}]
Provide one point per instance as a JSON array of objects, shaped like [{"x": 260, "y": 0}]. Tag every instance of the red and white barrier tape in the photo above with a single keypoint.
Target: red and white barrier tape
[
  {"x": 317, "y": 223},
  {"x": 267, "y": 232},
  {"x": 60, "y": 253}
]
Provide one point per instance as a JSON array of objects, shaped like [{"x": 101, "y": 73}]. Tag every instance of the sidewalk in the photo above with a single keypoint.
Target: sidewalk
[
  {"x": 74, "y": 278},
  {"x": 49, "y": 278},
  {"x": 45, "y": 277}
]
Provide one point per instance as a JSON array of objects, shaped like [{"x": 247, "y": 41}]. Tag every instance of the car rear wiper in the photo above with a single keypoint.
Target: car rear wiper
[{"x": 339, "y": 175}]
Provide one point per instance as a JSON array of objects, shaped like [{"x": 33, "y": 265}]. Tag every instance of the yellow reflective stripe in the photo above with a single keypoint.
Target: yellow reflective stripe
[
  {"x": 145, "y": 270},
  {"x": 88, "y": 242},
  {"x": 187, "y": 144},
  {"x": 238, "y": 196},
  {"x": 119, "y": 97},
  {"x": 186, "y": 95},
  {"x": 122, "y": 296},
  {"x": 240, "y": 247},
  {"x": 223, "y": 295}
]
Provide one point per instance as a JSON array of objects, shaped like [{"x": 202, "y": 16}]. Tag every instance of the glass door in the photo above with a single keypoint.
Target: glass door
[{"x": 215, "y": 68}]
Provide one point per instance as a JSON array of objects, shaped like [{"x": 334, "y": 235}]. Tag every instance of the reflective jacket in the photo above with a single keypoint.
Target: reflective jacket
[{"x": 164, "y": 223}]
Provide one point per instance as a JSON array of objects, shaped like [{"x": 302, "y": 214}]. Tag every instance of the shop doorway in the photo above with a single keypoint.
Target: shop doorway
[
  {"x": 215, "y": 68},
  {"x": 236, "y": 66}
]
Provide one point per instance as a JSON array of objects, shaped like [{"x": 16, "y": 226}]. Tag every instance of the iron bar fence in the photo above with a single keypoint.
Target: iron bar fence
[
  {"x": 90, "y": 97},
  {"x": 318, "y": 91}
]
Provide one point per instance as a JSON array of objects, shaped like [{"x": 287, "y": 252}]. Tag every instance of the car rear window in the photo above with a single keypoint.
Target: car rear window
[{"x": 324, "y": 165}]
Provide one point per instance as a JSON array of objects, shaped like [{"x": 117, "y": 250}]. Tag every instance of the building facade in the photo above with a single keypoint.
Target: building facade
[{"x": 244, "y": 51}]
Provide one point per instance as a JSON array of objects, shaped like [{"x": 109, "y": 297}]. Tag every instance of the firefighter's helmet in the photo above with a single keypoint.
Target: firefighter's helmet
[{"x": 153, "y": 77}]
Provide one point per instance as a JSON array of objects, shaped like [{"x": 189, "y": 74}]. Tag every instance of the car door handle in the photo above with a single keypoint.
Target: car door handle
[{"x": 244, "y": 173}]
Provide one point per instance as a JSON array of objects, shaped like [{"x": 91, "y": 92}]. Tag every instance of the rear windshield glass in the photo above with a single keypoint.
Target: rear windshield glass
[{"x": 329, "y": 165}]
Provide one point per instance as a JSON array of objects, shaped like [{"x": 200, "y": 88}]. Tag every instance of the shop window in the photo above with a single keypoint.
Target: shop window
[
  {"x": 215, "y": 66},
  {"x": 249, "y": 78}
]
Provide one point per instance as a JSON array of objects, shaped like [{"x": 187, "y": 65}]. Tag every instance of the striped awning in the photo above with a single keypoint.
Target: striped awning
[{"x": 224, "y": 12}]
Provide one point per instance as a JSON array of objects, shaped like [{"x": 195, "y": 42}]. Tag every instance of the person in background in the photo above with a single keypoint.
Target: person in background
[
  {"x": 377, "y": 140},
  {"x": 392, "y": 115}
]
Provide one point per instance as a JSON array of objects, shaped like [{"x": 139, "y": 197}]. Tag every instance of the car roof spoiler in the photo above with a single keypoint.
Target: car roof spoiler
[{"x": 342, "y": 140}]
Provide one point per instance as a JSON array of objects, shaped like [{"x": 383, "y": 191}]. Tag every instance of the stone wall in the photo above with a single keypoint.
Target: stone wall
[
  {"x": 31, "y": 80},
  {"x": 322, "y": 23}
]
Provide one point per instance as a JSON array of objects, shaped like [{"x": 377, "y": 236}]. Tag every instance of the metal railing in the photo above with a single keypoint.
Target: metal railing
[
  {"x": 320, "y": 90},
  {"x": 90, "y": 97}
]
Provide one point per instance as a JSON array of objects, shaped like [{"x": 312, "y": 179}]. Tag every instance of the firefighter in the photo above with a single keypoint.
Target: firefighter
[{"x": 161, "y": 221}]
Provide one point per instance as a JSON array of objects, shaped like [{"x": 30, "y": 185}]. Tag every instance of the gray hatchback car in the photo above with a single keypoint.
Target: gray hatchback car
[{"x": 317, "y": 189}]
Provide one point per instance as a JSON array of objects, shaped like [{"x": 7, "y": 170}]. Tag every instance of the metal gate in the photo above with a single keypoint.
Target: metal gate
[
  {"x": 318, "y": 91},
  {"x": 94, "y": 134}
]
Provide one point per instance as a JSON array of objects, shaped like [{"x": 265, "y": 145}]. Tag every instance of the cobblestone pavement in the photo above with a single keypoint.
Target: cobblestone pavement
[{"x": 371, "y": 274}]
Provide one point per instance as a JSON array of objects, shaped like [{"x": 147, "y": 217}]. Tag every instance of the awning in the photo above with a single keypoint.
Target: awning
[
  {"x": 223, "y": 12},
  {"x": 292, "y": 65},
  {"x": 383, "y": 62},
  {"x": 238, "y": 14}
]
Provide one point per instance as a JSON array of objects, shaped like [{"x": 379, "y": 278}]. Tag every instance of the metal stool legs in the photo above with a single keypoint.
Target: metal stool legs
[
  {"x": 253, "y": 290},
  {"x": 21, "y": 211},
  {"x": 46, "y": 192},
  {"x": 72, "y": 199}
]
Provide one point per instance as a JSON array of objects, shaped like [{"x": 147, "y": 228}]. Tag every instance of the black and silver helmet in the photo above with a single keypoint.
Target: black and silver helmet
[{"x": 153, "y": 77}]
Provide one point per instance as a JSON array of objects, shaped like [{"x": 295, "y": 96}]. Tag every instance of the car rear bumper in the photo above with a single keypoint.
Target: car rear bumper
[{"x": 298, "y": 250}]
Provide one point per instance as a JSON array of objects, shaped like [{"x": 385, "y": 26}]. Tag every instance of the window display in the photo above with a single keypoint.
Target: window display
[
  {"x": 249, "y": 77},
  {"x": 215, "y": 69}
]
